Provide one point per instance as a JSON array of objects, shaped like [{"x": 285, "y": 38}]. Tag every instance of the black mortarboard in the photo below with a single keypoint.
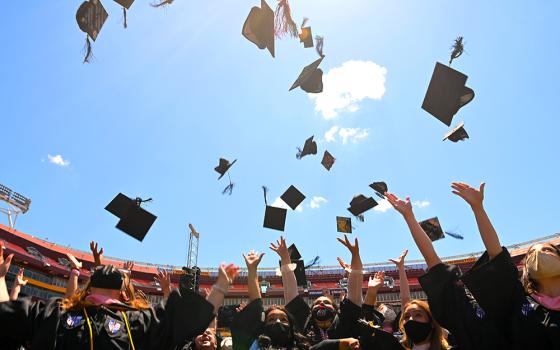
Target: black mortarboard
[
  {"x": 275, "y": 218},
  {"x": 456, "y": 134},
  {"x": 311, "y": 78},
  {"x": 259, "y": 27},
  {"x": 292, "y": 197},
  {"x": 328, "y": 160},
  {"x": 299, "y": 272},
  {"x": 223, "y": 167},
  {"x": 125, "y": 3},
  {"x": 372, "y": 337},
  {"x": 343, "y": 224},
  {"x": 107, "y": 277},
  {"x": 91, "y": 16},
  {"x": 446, "y": 93},
  {"x": 306, "y": 37},
  {"x": 310, "y": 147},
  {"x": 134, "y": 220},
  {"x": 360, "y": 204},
  {"x": 294, "y": 252},
  {"x": 380, "y": 188},
  {"x": 432, "y": 228}
]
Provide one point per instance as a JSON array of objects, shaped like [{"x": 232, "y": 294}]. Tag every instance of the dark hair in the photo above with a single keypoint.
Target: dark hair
[
  {"x": 531, "y": 285},
  {"x": 300, "y": 341}
]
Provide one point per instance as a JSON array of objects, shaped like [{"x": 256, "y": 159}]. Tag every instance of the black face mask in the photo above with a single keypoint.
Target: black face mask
[
  {"x": 323, "y": 314},
  {"x": 416, "y": 331},
  {"x": 279, "y": 334}
]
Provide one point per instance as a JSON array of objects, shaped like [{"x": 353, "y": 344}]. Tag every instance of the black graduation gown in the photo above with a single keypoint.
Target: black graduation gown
[
  {"x": 247, "y": 324},
  {"x": 455, "y": 309},
  {"x": 525, "y": 323},
  {"x": 46, "y": 326}
]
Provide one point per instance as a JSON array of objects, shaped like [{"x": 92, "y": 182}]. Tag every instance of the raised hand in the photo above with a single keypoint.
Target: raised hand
[
  {"x": 226, "y": 274},
  {"x": 403, "y": 207},
  {"x": 74, "y": 263},
  {"x": 4, "y": 263},
  {"x": 342, "y": 263},
  {"x": 164, "y": 280},
  {"x": 252, "y": 260},
  {"x": 376, "y": 281},
  {"x": 354, "y": 249},
  {"x": 19, "y": 278},
  {"x": 281, "y": 249},
  {"x": 97, "y": 254},
  {"x": 129, "y": 265},
  {"x": 471, "y": 195},
  {"x": 400, "y": 261}
]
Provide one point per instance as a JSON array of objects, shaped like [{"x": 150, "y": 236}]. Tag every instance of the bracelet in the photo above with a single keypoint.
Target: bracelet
[
  {"x": 288, "y": 267},
  {"x": 219, "y": 289},
  {"x": 75, "y": 271}
]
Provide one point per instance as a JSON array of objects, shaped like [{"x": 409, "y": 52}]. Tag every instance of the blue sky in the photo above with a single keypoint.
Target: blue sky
[{"x": 181, "y": 87}]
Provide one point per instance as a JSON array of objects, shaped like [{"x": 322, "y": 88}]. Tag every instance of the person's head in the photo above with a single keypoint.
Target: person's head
[
  {"x": 389, "y": 317},
  {"x": 279, "y": 326},
  {"x": 207, "y": 340},
  {"x": 323, "y": 312},
  {"x": 541, "y": 263},
  {"x": 419, "y": 327}
]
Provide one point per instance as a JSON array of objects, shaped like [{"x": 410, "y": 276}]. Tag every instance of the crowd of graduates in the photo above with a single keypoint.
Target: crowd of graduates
[{"x": 488, "y": 307}]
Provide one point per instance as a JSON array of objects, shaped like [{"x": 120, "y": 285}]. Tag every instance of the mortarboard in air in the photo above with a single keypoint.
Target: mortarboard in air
[
  {"x": 125, "y": 5},
  {"x": 134, "y": 220},
  {"x": 380, "y": 188},
  {"x": 222, "y": 169},
  {"x": 292, "y": 197},
  {"x": 311, "y": 77},
  {"x": 306, "y": 37},
  {"x": 446, "y": 93},
  {"x": 299, "y": 271},
  {"x": 458, "y": 133},
  {"x": 259, "y": 27},
  {"x": 360, "y": 204},
  {"x": 91, "y": 16},
  {"x": 343, "y": 224},
  {"x": 274, "y": 217},
  {"x": 328, "y": 160},
  {"x": 310, "y": 147},
  {"x": 433, "y": 229},
  {"x": 294, "y": 252}
]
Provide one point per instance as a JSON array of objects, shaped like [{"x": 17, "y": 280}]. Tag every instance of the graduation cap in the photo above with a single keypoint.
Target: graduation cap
[
  {"x": 294, "y": 252},
  {"x": 373, "y": 337},
  {"x": 292, "y": 197},
  {"x": 310, "y": 147},
  {"x": 311, "y": 77},
  {"x": 380, "y": 188},
  {"x": 259, "y": 27},
  {"x": 222, "y": 169},
  {"x": 299, "y": 271},
  {"x": 328, "y": 160},
  {"x": 343, "y": 224},
  {"x": 446, "y": 93},
  {"x": 306, "y": 37},
  {"x": 456, "y": 134},
  {"x": 360, "y": 204},
  {"x": 433, "y": 229},
  {"x": 125, "y": 5},
  {"x": 134, "y": 220},
  {"x": 274, "y": 217},
  {"x": 91, "y": 16}
]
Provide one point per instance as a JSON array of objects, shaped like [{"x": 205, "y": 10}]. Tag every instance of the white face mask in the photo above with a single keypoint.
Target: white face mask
[{"x": 543, "y": 265}]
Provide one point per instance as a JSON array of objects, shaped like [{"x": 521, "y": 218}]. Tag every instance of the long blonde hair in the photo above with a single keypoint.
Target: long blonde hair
[{"x": 437, "y": 339}]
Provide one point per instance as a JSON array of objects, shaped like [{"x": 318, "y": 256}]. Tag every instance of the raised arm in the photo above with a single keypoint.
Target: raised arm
[
  {"x": 97, "y": 254},
  {"x": 18, "y": 283},
  {"x": 288, "y": 276},
  {"x": 72, "y": 284},
  {"x": 164, "y": 280},
  {"x": 475, "y": 199},
  {"x": 421, "y": 239},
  {"x": 375, "y": 282},
  {"x": 355, "y": 277},
  {"x": 4, "y": 268},
  {"x": 226, "y": 275},
  {"x": 252, "y": 261},
  {"x": 404, "y": 289}
]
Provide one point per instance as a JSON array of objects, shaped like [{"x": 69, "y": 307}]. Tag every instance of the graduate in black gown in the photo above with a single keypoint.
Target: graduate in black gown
[
  {"x": 102, "y": 316},
  {"x": 527, "y": 311}
]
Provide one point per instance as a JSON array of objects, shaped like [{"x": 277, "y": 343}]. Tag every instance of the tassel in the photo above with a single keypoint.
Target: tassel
[
  {"x": 305, "y": 20},
  {"x": 313, "y": 262},
  {"x": 454, "y": 235},
  {"x": 228, "y": 189},
  {"x": 162, "y": 3},
  {"x": 299, "y": 153},
  {"x": 124, "y": 16},
  {"x": 283, "y": 22},
  {"x": 319, "y": 40},
  {"x": 89, "y": 53},
  {"x": 458, "y": 49},
  {"x": 360, "y": 217},
  {"x": 265, "y": 191}
]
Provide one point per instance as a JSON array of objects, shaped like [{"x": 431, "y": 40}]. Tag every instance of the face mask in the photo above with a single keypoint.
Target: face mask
[
  {"x": 279, "y": 333},
  {"x": 323, "y": 316},
  {"x": 543, "y": 265},
  {"x": 417, "y": 331}
]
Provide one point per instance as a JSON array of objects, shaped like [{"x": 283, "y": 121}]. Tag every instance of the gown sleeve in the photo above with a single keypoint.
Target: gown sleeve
[{"x": 246, "y": 324}]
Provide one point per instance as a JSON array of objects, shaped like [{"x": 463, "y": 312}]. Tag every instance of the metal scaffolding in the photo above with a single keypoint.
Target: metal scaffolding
[{"x": 192, "y": 256}]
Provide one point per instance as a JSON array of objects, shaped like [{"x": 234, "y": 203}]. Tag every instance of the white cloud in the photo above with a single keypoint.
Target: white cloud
[
  {"x": 345, "y": 134},
  {"x": 279, "y": 203},
  {"x": 382, "y": 206},
  {"x": 316, "y": 202},
  {"x": 58, "y": 160},
  {"x": 421, "y": 204},
  {"x": 345, "y": 86}
]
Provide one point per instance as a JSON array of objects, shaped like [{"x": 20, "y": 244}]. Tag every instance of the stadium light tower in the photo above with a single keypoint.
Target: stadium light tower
[
  {"x": 17, "y": 204},
  {"x": 192, "y": 256}
]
